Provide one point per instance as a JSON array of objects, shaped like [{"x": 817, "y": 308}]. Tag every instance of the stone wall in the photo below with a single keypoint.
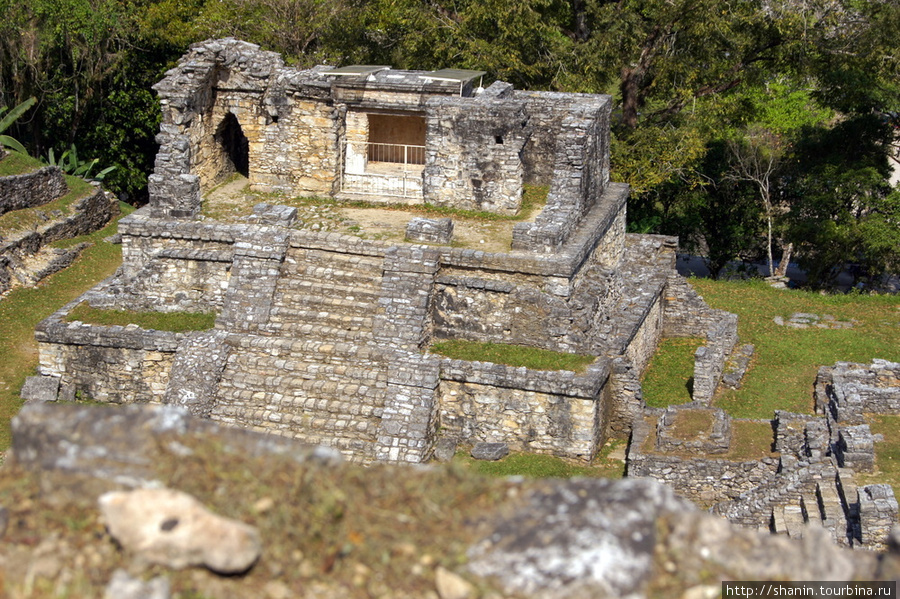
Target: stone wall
[
  {"x": 702, "y": 479},
  {"x": 709, "y": 359},
  {"x": 687, "y": 315},
  {"x": 17, "y": 250},
  {"x": 472, "y": 156},
  {"x": 106, "y": 363},
  {"x": 560, "y": 413},
  {"x": 856, "y": 389},
  {"x": 580, "y": 176},
  {"x": 31, "y": 189}
]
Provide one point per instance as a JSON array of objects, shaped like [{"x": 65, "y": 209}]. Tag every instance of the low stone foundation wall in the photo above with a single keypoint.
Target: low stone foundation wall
[
  {"x": 31, "y": 189},
  {"x": 89, "y": 214},
  {"x": 709, "y": 360},
  {"x": 701, "y": 479},
  {"x": 554, "y": 412},
  {"x": 112, "y": 364}
]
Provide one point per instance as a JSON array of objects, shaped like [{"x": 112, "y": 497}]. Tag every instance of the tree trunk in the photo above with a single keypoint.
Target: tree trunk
[{"x": 785, "y": 259}]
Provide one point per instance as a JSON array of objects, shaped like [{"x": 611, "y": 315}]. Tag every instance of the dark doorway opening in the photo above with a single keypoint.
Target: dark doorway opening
[{"x": 235, "y": 143}]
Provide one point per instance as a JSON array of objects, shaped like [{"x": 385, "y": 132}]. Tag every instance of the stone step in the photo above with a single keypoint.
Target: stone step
[
  {"x": 356, "y": 441},
  {"x": 251, "y": 374},
  {"x": 778, "y": 523},
  {"x": 326, "y": 302},
  {"x": 367, "y": 277},
  {"x": 793, "y": 519},
  {"x": 325, "y": 287},
  {"x": 320, "y": 333},
  {"x": 830, "y": 500},
  {"x": 346, "y": 260},
  {"x": 810, "y": 508},
  {"x": 318, "y": 412},
  {"x": 290, "y": 323}
]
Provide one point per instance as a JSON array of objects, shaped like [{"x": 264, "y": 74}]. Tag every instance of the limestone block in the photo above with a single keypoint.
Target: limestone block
[{"x": 173, "y": 529}]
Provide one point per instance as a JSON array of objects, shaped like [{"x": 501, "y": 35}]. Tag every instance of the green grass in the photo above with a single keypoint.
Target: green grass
[
  {"x": 750, "y": 440},
  {"x": 690, "y": 423},
  {"x": 512, "y": 355},
  {"x": 23, "y": 308},
  {"x": 786, "y": 361},
  {"x": 887, "y": 452},
  {"x": 177, "y": 322},
  {"x": 29, "y": 219},
  {"x": 670, "y": 375},
  {"x": 18, "y": 164},
  {"x": 533, "y": 465}
]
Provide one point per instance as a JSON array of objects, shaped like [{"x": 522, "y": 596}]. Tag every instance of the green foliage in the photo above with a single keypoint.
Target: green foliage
[
  {"x": 842, "y": 209},
  {"x": 8, "y": 120},
  {"x": 176, "y": 322},
  {"x": 512, "y": 355},
  {"x": 70, "y": 164}
]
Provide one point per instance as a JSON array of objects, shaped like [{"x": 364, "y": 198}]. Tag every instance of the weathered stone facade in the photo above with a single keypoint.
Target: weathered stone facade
[{"x": 324, "y": 337}]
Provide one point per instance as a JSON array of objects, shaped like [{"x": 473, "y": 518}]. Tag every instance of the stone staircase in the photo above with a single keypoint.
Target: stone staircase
[
  {"x": 313, "y": 371},
  {"x": 818, "y": 505},
  {"x": 318, "y": 391},
  {"x": 326, "y": 295}
]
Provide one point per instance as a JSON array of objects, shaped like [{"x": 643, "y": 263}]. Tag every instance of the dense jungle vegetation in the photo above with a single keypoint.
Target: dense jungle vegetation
[{"x": 746, "y": 127}]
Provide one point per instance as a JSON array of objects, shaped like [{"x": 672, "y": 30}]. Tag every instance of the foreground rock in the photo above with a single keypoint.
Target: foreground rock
[
  {"x": 173, "y": 529},
  {"x": 542, "y": 539}
]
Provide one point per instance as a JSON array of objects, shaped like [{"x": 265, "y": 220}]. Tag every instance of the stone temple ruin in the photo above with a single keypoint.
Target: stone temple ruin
[{"x": 324, "y": 336}]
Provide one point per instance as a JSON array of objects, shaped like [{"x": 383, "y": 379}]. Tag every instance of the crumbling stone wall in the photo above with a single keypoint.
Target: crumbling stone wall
[
  {"x": 472, "y": 160},
  {"x": 89, "y": 214},
  {"x": 692, "y": 473},
  {"x": 31, "y": 189},
  {"x": 580, "y": 176}
]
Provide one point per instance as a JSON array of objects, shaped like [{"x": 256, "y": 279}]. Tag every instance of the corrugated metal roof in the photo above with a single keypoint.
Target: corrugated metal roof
[
  {"x": 459, "y": 75},
  {"x": 357, "y": 70}
]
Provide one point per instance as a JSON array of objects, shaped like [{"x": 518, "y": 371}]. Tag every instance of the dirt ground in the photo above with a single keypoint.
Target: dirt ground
[{"x": 233, "y": 202}]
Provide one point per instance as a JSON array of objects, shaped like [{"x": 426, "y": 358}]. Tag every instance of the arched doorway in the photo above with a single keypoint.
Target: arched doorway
[{"x": 231, "y": 138}]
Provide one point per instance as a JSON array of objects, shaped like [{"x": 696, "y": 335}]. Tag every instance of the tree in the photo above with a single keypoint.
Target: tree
[
  {"x": 756, "y": 158},
  {"x": 842, "y": 209}
]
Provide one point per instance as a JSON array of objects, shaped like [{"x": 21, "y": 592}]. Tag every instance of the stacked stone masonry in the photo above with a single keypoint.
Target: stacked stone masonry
[
  {"x": 31, "y": 189},
  {"x": 819, "y": 456},
  {"x": 324, "y": 337}
]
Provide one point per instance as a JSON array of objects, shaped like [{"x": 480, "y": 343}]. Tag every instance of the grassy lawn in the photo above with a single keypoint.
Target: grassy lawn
[
  {"x": 512, "y": 355},
  {"x": 784, "y": 368},
  {"x": 177, "y": 322},
  {"x": 669, "y": 379},
  {"x": 532, "y": 465},
  {"x": 786, "y": 361},
  {"x": 887, "y": 452},
  {"x": 24, "y": 308},
  {"x": 18, "y": 164}
]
